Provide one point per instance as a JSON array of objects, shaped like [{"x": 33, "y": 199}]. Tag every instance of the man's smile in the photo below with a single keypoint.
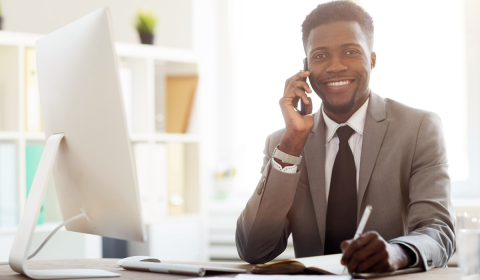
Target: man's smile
[{"x": 338, "y": 83}]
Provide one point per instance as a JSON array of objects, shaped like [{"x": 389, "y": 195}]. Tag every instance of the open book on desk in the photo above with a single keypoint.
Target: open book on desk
[{"x": 329, "y": 264}]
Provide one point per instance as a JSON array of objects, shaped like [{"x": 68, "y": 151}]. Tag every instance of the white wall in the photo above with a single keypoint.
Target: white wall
[{"x": 45, "y": 16}]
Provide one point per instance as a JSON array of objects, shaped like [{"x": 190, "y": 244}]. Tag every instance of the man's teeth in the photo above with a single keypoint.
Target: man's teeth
[{"x": 341, "y": 83}]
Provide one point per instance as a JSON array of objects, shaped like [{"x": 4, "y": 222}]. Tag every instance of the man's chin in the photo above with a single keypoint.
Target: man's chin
[{"x": 341, "y": 109}]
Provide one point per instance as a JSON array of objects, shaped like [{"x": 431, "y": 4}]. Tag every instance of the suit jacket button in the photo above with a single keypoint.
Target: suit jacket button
[{"x": 429, "y": 262}]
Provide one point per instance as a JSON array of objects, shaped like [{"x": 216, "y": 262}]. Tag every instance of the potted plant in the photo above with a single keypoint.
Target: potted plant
[
  {"x": 145, "y": 25},
  {"x": 1, "y": 19}
]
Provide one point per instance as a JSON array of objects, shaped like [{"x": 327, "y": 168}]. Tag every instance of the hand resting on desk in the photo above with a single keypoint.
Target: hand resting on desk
[{"x": 371, "y": 253}]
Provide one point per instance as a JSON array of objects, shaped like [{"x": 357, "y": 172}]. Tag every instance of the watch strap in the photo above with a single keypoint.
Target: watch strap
[{"x": 286, "y": 158}]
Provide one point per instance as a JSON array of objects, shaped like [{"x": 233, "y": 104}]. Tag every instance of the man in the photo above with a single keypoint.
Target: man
[{"x": 359, "y": 149}]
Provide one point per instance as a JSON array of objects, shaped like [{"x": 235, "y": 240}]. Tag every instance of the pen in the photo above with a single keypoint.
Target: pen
[{"x": 362, "y": 224}]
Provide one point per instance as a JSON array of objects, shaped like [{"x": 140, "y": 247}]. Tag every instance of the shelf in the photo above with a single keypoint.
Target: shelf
[
  {"x": 123, "y": 49},
  {"x": 156, "y": 52},
  {"x": 15, "y": 38},
  {"x": 177, "y": 137},
  {"x": 157, "y": 137},
  {"x": 12, "y": 135},
  {"x": 9, "y": 135},
  {"x": 47, "y": 227},
  {"x": 38, "y": 136},
  {"x": 166, "y": 137}
]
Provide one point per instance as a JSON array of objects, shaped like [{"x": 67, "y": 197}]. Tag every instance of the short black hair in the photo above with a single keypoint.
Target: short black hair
[{"x": 336, "y": 11}]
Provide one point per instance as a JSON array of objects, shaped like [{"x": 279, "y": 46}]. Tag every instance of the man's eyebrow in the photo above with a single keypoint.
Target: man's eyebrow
[
  {"x": 351, "y": 45},
  {"x": 342, "y": 46},
  {"x": 318, "y": 48}
]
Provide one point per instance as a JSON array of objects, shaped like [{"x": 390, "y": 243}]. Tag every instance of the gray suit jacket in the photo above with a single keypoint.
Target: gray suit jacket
[{"x": 403, "y": 175}]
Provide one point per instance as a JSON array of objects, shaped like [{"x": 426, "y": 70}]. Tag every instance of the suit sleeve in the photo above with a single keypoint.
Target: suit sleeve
[
  {"x": 430, "y": 213},
  {"x": 263, "y": 227}
]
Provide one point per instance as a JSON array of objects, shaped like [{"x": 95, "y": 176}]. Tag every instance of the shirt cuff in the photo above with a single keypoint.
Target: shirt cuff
[
  {"x": 287, "y": 169},
  {"x": 417, "y": 259}
]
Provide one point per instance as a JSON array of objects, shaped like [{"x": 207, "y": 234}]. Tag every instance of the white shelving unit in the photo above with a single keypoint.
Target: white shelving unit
[{"x": 149, "y": 66}]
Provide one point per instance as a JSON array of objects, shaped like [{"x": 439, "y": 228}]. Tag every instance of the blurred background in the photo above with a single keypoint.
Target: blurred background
[{"x": 203, "y": 96}]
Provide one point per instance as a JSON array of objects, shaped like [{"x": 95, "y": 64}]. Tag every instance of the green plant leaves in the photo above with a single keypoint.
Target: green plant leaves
[{"x": 145, "y": 22}]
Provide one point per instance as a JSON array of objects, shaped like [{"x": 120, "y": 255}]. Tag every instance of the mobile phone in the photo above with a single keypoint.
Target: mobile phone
[{"x": 303, "y": 110}]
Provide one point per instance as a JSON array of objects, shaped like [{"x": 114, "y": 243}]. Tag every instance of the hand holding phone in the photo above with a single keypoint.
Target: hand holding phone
[{"x": 298, "y": 123}]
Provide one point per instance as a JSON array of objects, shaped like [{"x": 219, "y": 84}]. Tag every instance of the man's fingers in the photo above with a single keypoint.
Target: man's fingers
[
  {"x": 356, "y": 244},
  {"x": 297, "y": 83},
  {"x": 295, "y": 101},
  {"x": 292, "y": 98},
  {"x": 344, "y": 245},
  {"x": 309, "y": 106},
  {"x": 301, "y": 85},
  {"x": 372, "y": 261},
  {"x": 292, "y": 94},
  {"x": 362, "y": 256},
  {"x": 382, "y": 266},
  {"x": 301, "y": 94},
  {"x": 295, "y": 77}
]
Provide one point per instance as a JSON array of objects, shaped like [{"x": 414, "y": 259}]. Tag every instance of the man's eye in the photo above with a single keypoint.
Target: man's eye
[
  {"x": 352, "y": 52},
  {"x": 319, "y": 56}
]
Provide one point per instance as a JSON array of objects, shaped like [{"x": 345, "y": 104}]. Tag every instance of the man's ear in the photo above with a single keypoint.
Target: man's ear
[{"x": 373, "y": 60}]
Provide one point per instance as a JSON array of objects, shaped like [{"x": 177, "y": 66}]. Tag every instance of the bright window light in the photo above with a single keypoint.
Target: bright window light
[{"x": 420, "y": 62}]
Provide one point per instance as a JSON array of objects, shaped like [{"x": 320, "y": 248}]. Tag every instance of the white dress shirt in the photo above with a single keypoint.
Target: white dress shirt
[{"x": 357, "y": 123}]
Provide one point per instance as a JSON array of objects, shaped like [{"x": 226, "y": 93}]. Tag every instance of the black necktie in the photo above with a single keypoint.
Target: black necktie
[{"x": 342, "y": 199}]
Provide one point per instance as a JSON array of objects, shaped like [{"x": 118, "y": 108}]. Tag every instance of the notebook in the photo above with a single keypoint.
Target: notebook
[
  {"x": 329, "y": 264},
  {"x": 154, "y": 265}
]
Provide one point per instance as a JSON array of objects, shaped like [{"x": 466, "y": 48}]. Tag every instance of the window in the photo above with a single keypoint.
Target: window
[{"x": 421, "y": 62}]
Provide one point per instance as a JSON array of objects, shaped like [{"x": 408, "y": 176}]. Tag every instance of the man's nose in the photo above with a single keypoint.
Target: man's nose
[{"x": 336, "y": 66}]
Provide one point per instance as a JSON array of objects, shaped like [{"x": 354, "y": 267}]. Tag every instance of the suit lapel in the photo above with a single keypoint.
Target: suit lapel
[
  {"x": 315, "y": 162},
  {"x": 373, "y": 134}
]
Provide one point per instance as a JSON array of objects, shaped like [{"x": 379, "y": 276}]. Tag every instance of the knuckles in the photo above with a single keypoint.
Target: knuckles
[
  {"x": 356, "y": 244},
  {"x": 372, "y": 234},
  {"x": 382, "y": 246}
]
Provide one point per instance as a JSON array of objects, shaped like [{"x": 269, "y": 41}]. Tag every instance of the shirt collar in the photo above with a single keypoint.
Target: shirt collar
[{"x": 356, "y": 121}]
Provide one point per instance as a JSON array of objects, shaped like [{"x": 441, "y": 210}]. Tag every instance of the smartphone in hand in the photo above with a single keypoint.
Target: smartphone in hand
[{"x": 303, "y": 110}]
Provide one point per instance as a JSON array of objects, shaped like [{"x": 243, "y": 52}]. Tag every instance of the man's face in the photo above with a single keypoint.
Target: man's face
[{"x": 340, "y": 63}]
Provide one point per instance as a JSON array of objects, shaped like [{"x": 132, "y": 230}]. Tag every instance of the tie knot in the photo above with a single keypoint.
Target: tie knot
[{"x": 344, "y": 133}]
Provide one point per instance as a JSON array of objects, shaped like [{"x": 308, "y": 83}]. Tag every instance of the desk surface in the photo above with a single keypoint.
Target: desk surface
[{"x": 111, "y": 265}]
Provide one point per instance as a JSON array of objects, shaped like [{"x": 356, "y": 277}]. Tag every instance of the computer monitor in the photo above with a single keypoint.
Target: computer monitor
[{"x": 88, "y": 145}]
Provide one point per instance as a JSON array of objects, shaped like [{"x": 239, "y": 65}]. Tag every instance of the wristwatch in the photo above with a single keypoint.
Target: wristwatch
[{"x": 286, "y": 158}]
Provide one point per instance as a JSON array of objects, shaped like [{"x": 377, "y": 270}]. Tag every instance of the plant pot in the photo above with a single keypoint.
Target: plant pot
[
  {"x": 146, "y": 38},
  {"x": 1, "y": 21}
]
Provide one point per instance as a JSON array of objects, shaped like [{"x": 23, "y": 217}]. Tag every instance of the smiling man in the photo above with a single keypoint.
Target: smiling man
[{"x": 322, "y": 170}]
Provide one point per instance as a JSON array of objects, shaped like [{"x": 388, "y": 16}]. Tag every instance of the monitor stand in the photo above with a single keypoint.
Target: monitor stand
[{"x": 26, "y": 228}]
